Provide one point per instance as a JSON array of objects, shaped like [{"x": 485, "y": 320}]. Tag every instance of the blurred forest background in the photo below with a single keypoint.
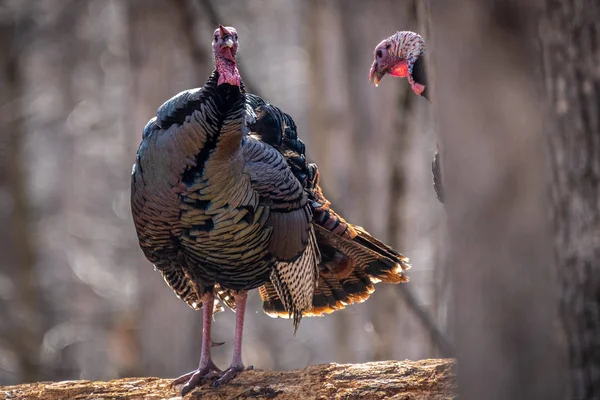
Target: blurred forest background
[{"x": 78, "y": 81}]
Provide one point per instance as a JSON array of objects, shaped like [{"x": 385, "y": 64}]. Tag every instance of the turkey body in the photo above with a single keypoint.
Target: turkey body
[
  {"x": 183, "y": 200},
  {"x": 203, "y": 224},
  {"x": 215, "y": 209}
]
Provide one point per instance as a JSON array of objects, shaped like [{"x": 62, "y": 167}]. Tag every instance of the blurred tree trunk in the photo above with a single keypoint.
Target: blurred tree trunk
[
  {"x": 327, "y": 101},
  {"x": 491, "y": 124},
  {"x": 160, "y": 68},
  {"x": 571, "y": 45},
  {"x": 19, "y": 262},
  {"x": 368, "y": 154},
  {"x": 441, "y": 292}
]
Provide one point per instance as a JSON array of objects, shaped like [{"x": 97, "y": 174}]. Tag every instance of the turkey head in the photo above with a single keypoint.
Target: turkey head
[{"x": 400, "y": 55}]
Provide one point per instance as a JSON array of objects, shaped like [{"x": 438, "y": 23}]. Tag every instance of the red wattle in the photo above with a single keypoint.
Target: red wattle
[{"x": 400, "y": 70}]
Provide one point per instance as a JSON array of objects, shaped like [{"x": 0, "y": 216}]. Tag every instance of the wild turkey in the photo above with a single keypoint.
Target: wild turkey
[
  {"x": 220, "y": 210},
  {"x": 403, "y": 55}
]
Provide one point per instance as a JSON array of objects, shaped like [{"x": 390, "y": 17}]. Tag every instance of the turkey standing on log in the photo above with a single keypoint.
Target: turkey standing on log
[
  {"x": 403, "y": 55},
  {"x": 220, "y": 210}
]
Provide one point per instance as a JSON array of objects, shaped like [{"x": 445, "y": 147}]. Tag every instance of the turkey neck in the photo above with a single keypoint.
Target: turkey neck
[
  {"x": 230, "y": 92},
  {"x": 226, "y": 119}
]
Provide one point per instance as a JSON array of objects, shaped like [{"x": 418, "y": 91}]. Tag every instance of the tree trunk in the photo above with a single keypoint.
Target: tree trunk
[
  {"x": 571, "y": 46},
  {"x": 491, "y": 126},
  {"x": 19, "y": 262}
]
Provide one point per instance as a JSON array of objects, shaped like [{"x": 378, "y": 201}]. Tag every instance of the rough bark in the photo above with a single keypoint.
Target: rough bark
[
  {"x": 491, "y": 124},
  {"x": 570, "y": 33},
  {"x": 426, "y": 379}
]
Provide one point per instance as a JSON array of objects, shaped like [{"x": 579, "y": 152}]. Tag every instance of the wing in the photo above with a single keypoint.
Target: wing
[{"x": 293, "y": 243}]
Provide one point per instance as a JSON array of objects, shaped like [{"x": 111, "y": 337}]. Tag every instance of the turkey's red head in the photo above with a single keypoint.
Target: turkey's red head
[
  {"x": 396, "y": 56},
  {"x": 225, "y": 46}
]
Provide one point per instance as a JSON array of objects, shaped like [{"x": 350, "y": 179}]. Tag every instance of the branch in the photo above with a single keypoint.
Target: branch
[
  {"x": 437, "y": 337},
  {"x": 431, "y": 379}
]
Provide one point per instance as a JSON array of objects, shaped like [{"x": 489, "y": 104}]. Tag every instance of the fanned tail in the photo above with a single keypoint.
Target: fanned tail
[
  {"x": 352, "y": 261},
  {"x": 344, "y": 244}
]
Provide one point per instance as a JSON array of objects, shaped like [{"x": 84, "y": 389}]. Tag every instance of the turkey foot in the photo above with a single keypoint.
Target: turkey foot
[
  {"x": 237, "y": 365},
  {"x": 194, "y": 378},
  {"x": 207, "y": 366},
  {"x": 228, "y": 375}
]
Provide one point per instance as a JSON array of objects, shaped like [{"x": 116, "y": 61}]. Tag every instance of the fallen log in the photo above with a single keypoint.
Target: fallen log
[{"x": 432, "y": 379}]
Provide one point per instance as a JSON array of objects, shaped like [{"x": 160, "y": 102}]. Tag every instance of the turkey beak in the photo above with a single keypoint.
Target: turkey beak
[
  {"x": 376, "y": 80},
  {"x": 375, "y": 75},
  {"x": 227, "y": 36}
]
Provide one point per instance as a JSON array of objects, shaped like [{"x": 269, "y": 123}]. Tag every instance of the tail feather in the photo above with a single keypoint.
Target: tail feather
[
  {"x": 225, "y": 296},
  {"x": 365, "y": 239},
  {"x": 272, "y": 304},
  {"x": 186, "y": 289},
  {"x": 330, "y": 295},
  {"x": 349, "y": 269},
  {"x": 368, "y": 254}
]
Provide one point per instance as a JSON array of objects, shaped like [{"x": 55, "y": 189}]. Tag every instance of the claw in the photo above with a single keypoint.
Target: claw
[
  {"x": 182, "y": 379},
  {"x": 228, "y": 375},
  {"x": 194, "y": 381},
  {"x": 195, "y": 378},
  {"x": 216, "y": 344}
]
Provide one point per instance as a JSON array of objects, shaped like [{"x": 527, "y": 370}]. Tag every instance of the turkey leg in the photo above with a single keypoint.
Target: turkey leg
[
  {"x": 206, "y": 366},
  {"x": 236, "y": 363}
]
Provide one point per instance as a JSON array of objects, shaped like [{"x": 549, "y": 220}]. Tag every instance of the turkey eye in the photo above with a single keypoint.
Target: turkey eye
[
  {"x": 379, "y": 53},
  {"x": 387, "y": 46},
  {"x": 235, "y": 36},
  {"x": 216, "y": 37}
]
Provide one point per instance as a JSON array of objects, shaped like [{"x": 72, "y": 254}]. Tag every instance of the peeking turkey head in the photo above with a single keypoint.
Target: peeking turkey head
[
  {"x": 396, "y": 56},
  {"x": 225, "y": 45}
]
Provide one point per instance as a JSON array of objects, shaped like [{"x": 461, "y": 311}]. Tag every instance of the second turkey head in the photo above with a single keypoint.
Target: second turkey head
[
  {"x": 225, "y": 46},
  {"x": 396, "y": 56}
]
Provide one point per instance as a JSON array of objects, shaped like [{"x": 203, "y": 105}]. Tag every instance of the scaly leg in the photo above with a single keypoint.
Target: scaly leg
[
  {"x": 206, "y": 366},
  {"x": 236, "y": 363}
]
